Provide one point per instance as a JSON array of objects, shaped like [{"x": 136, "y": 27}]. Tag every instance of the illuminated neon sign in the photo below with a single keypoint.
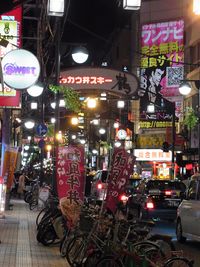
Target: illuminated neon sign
[
  {"x": 123, "y": 83},
  {"x": 85, "y": 80}
]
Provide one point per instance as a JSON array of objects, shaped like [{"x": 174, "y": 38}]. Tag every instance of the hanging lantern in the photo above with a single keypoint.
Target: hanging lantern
[{"x": 131, "y": 4}]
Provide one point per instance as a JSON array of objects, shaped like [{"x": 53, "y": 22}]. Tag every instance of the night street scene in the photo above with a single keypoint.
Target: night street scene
[{"x": 99, "y": 133}]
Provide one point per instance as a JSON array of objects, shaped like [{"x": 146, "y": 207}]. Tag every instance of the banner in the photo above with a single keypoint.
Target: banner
[
  {"x": 122, "y": 168},
  {"x": 11, "y": 32},
  {"x": 161, "y": 64},
  {"x": 9, "y": 165},
  {"x": 70, "y": 173}
]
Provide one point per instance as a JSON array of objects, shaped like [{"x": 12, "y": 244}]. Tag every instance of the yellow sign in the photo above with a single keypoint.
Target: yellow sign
[{"x": 9, "y": 165}]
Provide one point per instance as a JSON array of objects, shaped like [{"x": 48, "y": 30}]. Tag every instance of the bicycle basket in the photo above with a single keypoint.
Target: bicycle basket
[{"x": 86, "y": 222}]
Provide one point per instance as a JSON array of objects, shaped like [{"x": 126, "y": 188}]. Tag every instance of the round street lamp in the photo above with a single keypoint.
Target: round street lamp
[
  {"x": 80, "y": 55},
  {"x": 35, "y": 90},
  {"x": 185, "y": 88},
  {"x": 102, "y": 131},
  {"x": 29, "y": 124}
]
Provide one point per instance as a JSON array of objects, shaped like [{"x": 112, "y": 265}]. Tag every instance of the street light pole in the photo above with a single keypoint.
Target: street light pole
[
  {"x": 173, "y": 140},
  {"x": 185, "y": 89}
]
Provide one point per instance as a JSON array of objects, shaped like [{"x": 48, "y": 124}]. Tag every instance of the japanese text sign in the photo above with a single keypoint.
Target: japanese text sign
[
  {"x": 163, "y": 48},
  {"x": 70, "y": 172},
  {"x": 10, "y": 31},
  {"x": 152, "y": 155},
  {"x": 122, "y": 168},
  {"x": 123, "y": 83}
]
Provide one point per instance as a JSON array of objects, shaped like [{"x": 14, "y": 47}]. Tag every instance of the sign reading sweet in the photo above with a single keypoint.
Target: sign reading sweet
[{"x": 21, "y": 69}]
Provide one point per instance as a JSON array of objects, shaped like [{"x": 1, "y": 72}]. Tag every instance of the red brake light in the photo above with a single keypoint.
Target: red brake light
[
  {"x": 123, "y": 198},
  {"x": 99, "y": 186},
  {"x": 150, "y": 204},
  {"x": 168, "y": 193}
]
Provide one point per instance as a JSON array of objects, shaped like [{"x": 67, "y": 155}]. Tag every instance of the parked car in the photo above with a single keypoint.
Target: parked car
[
  {"x": 99, "y": 186},
  {"x": 156, "y": 199},
  {"x": 188, "y": 213}
]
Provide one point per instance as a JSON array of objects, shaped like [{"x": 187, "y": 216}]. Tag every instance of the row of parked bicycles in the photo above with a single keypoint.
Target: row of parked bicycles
[{"x": 103, "y": 240}]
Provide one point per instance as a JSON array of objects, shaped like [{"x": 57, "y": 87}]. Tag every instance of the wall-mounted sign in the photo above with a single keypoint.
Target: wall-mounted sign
[
  {"x": 21, "y": 69},
  {"x": 152, "y": 155},
  {"x": 123, "y": 83},
  {"x": 10, "y": 30}
]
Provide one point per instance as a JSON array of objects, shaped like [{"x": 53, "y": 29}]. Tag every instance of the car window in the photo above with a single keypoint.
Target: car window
[
  {"x": 166, "y": 185},
  {"x": 104, "y": 176}
]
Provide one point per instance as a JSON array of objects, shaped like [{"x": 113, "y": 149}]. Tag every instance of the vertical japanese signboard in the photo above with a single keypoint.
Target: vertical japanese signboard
[
  {"x": 122, "y": 168},
  {"x": 70, "y": 173},
  {"x": 9, "y": 165},
  {"x": 10, "y": 30},
  {"x": 161, "y": 64}
]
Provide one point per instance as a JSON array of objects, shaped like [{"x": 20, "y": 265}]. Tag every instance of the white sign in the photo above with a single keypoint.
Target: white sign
[
  {"x": 21, "y": 69},
  {"x": 152, "y": 155},
  {"x": 100, "y": 79}
]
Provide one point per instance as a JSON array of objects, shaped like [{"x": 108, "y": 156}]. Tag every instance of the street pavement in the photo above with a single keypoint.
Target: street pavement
[
  {"x": 189, "y": 249},
  {"x": 19, "y": 247}
]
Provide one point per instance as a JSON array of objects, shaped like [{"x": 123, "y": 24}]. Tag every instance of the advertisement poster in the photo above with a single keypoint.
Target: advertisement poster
[
  {"x": 70, "y": 172},
  {"x": 122, "y": 168},
  {"x": 9, "y": 165},
  {"x": 10, "y": 31},
  {"x": 162, "y": 57}
]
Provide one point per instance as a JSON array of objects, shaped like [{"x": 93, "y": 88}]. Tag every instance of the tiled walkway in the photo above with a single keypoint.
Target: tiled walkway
[{"x": 19, "y": 247}]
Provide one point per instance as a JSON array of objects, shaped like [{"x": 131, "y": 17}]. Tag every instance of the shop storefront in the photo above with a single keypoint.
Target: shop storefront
[{"x": 154, "y": 163}]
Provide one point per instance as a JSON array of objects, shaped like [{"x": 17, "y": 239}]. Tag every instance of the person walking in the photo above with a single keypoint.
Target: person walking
[{"x": 21, "y": 185}]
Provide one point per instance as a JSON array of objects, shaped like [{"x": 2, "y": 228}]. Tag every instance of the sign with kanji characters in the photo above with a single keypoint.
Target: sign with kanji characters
[
  {"x": 163, "y": 49},
  {"x": 152, "y": 155},
  {"x": 70, "y": 172},
  {"x": 122, "y": 168},
  {"x": 100, "y": 79},
  {"x": 10, "y": 31},
  {"x": 162, "y": 69},
  {"x": 9, "y": 164}
]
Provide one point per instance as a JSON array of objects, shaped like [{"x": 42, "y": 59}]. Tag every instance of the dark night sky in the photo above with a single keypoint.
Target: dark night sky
[
  {"x": 88, "y": 21},
  {"x": 93, "y": 22}
]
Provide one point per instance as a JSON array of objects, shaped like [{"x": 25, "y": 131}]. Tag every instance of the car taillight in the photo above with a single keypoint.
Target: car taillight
[
  {"x": 168, "y": 193},
  {"x": 149, "y": 204},
  {"x": 123, "y": 198},
  {"x": 99, "y": 186}
]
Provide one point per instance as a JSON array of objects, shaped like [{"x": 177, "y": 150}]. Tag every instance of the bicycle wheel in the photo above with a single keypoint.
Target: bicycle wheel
[
  {"x": 109, "y": 261},
  {"x": 93, "y": 256},
  {"x": 63, "y": 245},
  {"x": 40, "y": 216},
  {"x": 33, "y": 204},
  {"x": 76, "y": 250},
  {"x": 49, "y": 236},
  {"x": 178, "y": 262},
  {"x": 150, "y": 250}
]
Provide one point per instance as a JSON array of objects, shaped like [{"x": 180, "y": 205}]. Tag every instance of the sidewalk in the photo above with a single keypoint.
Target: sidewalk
[{"x": 19, "y": 247}]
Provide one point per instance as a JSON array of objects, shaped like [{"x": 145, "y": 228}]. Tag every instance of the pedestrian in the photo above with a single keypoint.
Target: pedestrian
[{"x": 21, "y": 185}]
